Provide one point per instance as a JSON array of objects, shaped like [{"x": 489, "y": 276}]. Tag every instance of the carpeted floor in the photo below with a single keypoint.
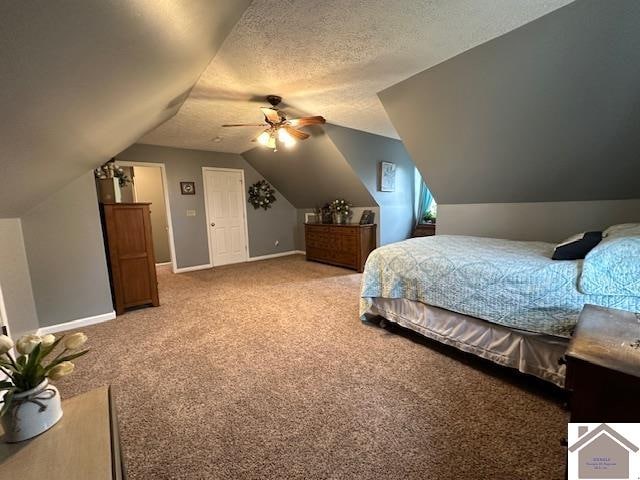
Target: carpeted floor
[{"x": 263, "y": 370}]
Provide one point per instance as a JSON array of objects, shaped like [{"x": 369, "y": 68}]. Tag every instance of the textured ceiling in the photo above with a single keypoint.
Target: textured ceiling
[
  {"x": 82, "y": 79},
  {"x": 331, "y": 58}
]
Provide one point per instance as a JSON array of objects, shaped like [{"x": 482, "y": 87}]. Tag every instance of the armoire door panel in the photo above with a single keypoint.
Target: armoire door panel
[
  {"x": 130, "y": 236},
  {"x": 136, "y": 284},
  {"x": 128, "y": 239}
]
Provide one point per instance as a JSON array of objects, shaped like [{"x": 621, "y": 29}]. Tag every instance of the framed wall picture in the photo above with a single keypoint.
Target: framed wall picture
[
  {"x": 312, "y": 217},
  {"x": 367, "y": 218},
  {"x": 387, "y": 177},
  {"x": 188, "y": 188}
]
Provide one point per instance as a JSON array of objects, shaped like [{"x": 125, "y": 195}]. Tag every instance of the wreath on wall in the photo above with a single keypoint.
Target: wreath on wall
[{"x": 261, "y": 195}]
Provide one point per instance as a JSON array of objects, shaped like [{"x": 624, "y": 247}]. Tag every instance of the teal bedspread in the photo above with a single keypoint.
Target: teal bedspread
[{"x": 511, "y": 283}]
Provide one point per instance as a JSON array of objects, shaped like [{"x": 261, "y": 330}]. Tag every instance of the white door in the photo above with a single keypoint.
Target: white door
[{"x": 224, "y": 197}]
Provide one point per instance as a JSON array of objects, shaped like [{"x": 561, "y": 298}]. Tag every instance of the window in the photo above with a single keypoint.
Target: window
[{"x": 425, "y": 207}]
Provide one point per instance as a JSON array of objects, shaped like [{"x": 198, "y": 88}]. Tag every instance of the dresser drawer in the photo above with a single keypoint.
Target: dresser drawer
[
  {"x": 344, "y": 231},
  {"x": 318, "y": 229},
  {"x": 318, "y": 240},
  {"x": 344, "y": 246}
]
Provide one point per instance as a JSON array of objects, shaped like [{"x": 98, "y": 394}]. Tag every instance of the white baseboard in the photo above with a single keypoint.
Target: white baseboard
[
  {"x": 81, "y": 322},
  {"x": 275, "y": 255},
  {"x": 193, "y": 269},
  {"x": 162, "y": 264}
]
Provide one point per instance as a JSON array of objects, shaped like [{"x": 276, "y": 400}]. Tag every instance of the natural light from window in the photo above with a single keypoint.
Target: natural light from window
[{"x": 425, "y": 205}]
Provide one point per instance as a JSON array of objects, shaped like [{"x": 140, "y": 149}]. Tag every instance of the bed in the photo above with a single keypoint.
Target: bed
[{"x": 503, "y": 300}]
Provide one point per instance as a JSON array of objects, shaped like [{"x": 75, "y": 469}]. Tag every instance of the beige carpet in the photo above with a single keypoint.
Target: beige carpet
[{"x": 263, "y": 370}]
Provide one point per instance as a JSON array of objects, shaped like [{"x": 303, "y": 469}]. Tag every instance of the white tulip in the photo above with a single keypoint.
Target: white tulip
[
  {"x": 48, "y": 340},
  {"x": 75, "y": 341},
  {"x": 6, "y": 344},
  {"x": 61, "y": 370},
  {"x": 27, "y": 343}
]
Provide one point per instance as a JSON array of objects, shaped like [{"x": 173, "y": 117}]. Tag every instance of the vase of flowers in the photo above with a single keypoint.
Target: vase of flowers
[
  {"x": 341, "y": 210},
  {"x": 31, "y": 405},
  {"x": 111, "y": 178}
]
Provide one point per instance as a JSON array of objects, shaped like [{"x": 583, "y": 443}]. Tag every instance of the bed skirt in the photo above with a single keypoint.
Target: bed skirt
[{"x": 531, "y": 353}]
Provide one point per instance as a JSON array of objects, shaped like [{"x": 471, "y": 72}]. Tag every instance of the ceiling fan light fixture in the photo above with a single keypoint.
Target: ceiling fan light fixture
[
  {"x": 280, "y": 130},
  {"x": 264, "y": 137},
  {"x": 286, "y": 138}
]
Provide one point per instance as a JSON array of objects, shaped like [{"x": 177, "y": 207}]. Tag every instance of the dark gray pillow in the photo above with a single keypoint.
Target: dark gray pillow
[{"x": 577, "y": 246}]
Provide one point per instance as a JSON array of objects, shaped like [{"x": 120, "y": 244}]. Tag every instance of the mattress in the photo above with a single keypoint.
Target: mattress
[
  {"x": 531, "y": 353},
  {"x": 510, "y": 283}
]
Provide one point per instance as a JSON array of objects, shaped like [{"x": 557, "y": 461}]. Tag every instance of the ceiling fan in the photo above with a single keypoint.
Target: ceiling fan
[{"x": 279, "y": 128}]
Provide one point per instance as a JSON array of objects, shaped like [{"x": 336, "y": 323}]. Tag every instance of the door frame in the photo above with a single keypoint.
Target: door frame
[
  {"x": 206, "y": 210},
  {"x": 4, "y": 320},
  {"x": 167, "y": 204}
]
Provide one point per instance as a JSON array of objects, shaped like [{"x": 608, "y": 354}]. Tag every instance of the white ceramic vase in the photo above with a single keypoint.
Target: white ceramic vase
[{"x": 32, "y": 412}]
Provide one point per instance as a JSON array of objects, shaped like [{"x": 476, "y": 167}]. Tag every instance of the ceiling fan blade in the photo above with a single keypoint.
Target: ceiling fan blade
[
  {"x": 304, "y": 121},
  {"x": 271, "y": 115},
  {"x": 246, "y": 125},
  {"x": 296, "y": 133}
]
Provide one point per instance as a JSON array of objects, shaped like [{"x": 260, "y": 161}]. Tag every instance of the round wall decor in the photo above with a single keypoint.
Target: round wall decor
[{"x": 261, "y": 195}]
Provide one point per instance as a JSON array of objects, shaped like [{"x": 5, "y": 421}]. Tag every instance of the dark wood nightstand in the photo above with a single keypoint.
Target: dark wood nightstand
[
  {"x": 424, "y": 230},
  {"x": 603, "y": 366}
]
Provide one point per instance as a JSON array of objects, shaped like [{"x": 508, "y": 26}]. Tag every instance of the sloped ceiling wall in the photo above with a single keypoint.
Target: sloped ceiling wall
[
  {"x": 547, "y": 112},
  {"x": 311, "y": 174},
  {"x": 82, "y": 80},
  {"x": 364, "y": 152}
]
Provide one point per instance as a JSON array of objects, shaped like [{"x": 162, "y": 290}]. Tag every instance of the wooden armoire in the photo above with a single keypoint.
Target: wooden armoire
[{"x": 132, "y": 265}]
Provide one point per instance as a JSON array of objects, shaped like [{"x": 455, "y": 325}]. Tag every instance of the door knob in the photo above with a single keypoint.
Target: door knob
[{"x": 213, "y": 224}]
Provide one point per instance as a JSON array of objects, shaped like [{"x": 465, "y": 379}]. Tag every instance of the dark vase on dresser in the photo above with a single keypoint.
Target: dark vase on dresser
[{"x": 129, "y": 245}]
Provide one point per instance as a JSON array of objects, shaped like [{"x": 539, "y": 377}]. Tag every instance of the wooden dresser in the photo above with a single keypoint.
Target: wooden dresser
[
  {"x": 603, "y": 366},
  {"x": 129, "y": 244},
  {"x": 346, "y": 245},
  {"x": 424, "y": 230},
  {"x": 83, "y": 445}
]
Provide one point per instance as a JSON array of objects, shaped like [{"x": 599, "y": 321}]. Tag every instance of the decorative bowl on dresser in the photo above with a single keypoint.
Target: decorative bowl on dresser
[
  {"x": 346, "y": 245},
  {"x": 603, "y": 366}
]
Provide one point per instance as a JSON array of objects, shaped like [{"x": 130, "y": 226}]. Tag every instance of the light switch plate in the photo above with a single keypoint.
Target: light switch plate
[{"x": 191, "y": 213}]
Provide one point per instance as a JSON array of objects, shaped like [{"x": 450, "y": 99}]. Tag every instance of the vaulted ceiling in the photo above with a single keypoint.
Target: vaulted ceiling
[
  {"x": 81, "y": 80},
  {"x": 330, "y": 58},
  {"x": 547, "y": 112}
]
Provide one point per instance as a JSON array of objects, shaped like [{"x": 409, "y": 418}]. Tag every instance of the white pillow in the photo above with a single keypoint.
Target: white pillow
[{"x": 622, "y": 229}]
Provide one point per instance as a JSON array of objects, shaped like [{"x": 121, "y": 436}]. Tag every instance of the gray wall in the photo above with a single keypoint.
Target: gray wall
[
  {"x": 364, "y": 152},
  {"x": 15, "y": 281},
  {"x": 310, "y": 174},
  {"x": 65, "y": 248},
  {"x": 545, "y": 221},
  {"x": 81, "y": 80},
  {"x": 547, "y": 112},
  {"x": 265, "y": 227}
]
